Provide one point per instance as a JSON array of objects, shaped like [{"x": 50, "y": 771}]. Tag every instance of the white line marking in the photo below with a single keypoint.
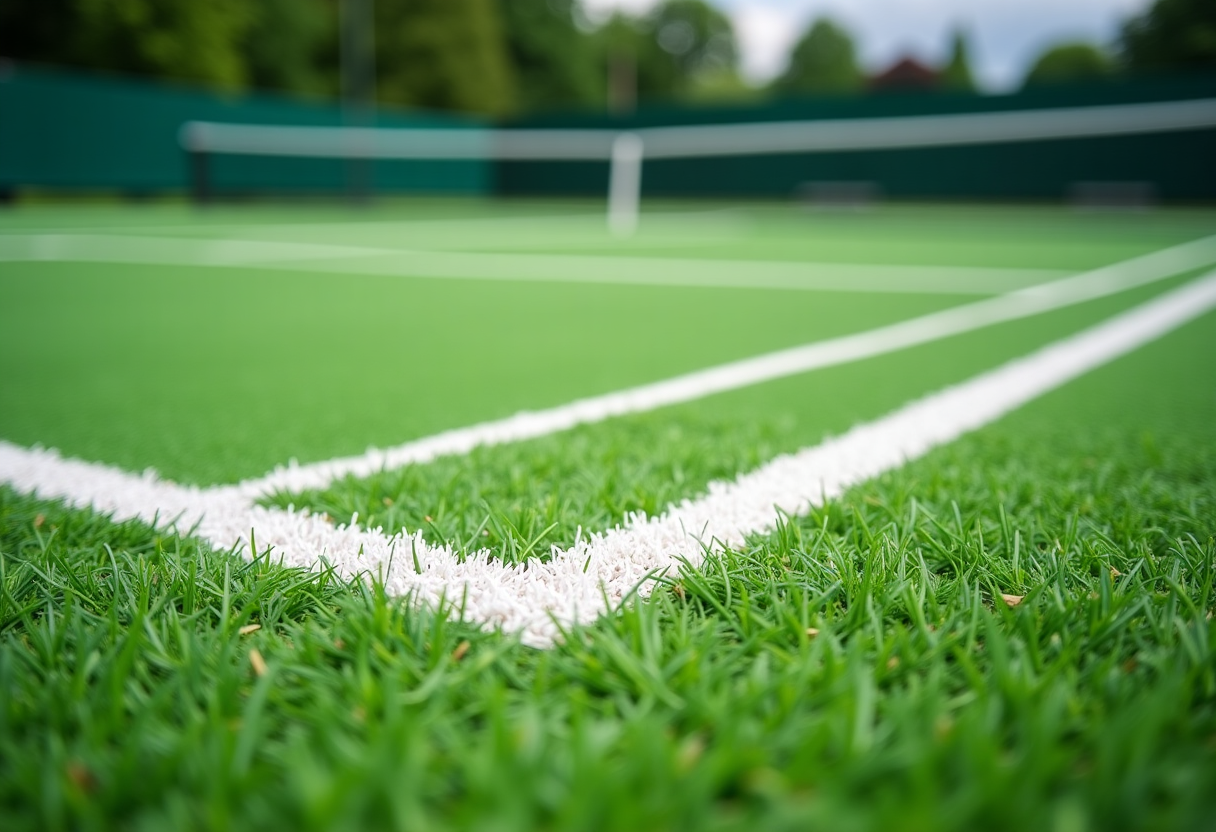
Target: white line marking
[
  {"x": 927, "y": 328},
  {"x": 547, "y": 268},
  {"x": 185, "y": 251},
  {"x": 577, "y": 228},
  {"x": 579, "y": 584},
  {"x": 701, "y": 273}
]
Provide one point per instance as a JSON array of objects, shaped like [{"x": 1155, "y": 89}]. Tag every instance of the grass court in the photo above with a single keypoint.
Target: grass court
[{"x": 1013, "y": 630}]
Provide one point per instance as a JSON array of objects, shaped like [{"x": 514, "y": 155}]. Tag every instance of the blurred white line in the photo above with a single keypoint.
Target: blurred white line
[
  {"x": 179, "y": 251},
  {"x": 705, "y": 223},
  {"x": 578, "y": 585},
  {"x": 552, "y": 268},
  {"x": 704, "y": 273}
]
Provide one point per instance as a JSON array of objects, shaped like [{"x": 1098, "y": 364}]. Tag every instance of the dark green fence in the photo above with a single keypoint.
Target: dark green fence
[
  {"x": 1173, "y": 166},
  {"x": 65, "y": 131}
]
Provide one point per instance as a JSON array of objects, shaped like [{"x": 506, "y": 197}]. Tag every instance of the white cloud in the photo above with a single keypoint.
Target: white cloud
[
  {"x": 766, "y": 35},
  {"x": 601, "y": 9},
  {"x": 1005, "y": 35}
]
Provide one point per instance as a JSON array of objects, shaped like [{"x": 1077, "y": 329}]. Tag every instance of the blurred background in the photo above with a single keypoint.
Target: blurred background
[{"x": 94, "y": 92}]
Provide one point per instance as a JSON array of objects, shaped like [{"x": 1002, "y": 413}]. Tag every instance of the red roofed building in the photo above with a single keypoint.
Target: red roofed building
[{"x": 906, "y": 74}]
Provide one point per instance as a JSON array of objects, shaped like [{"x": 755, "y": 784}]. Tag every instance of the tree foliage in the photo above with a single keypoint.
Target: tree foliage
[
  {"x": 956, "y": 74},
  {"x": 1069, "y": 62},
  {"x": 682, "y": 49},
  {"x": 556, "y": 63},
  {"x": 823, "y": 60},
  {"x": 1171, "y": 35},
  {"x": 181, "y": 40},
  {"x": 479, "y": 56},
  {"x": 443, "y": 54},
  {"x": 689, "y": 41},
  {"x": 291, "y": 45}
]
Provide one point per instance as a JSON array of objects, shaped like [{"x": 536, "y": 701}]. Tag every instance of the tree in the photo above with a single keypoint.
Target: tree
[
  {"x": 683, "y": 43},
  {"x": 555, "y": 62},
  {"x": 1069, "y": 62},
  {"x": 444, "y": 55},
  {"x": 1171, "y": 35},
  {"x": 290, "y": 46},
  {"x": 956, "y": 74},
  {"x": 45, "y": 31},
  {"x": 183, "y": 40},
  {"x": 682, "y": 49},
  {"x": 823, "y": 60},
  {"x": 621, "y": 43}
]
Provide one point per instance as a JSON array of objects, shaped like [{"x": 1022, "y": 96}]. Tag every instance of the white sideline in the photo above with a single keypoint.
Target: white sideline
[
  {"x": 577, "y": 585},
  {"x": 935, "y": 326},
  {"x": 544, "y": 268}
]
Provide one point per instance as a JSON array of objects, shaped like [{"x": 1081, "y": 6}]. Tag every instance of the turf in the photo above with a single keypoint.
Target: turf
[
  {"x": 993, "y": 235},
  {"x": 1012, "y": 632},
  {"x": 857, "y": 669},
  {"x": 1026, "y": 237},
  {"x": 205, "y": 374},
  {"x": 211, "y": 375},
  {"x": 521, "y": 499}
]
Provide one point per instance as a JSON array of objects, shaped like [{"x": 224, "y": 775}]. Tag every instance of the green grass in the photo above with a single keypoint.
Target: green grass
[
  {"x": 521, "y": 499},
  {"x": 211, "y": 375},
  {"x": 1030, "y": 236},
  {"x": 922, "y": 701},
  {"x": 855, "y": 669}
]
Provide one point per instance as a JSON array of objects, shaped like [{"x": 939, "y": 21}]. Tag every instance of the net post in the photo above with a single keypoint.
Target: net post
[
  {"x": 358, "y": 79},
  {"x": 358, "y": 170},
  {"x": 200, "y": 180},
  {"x": 191, "y": 137},
  {"x": 625, "y": 184}
]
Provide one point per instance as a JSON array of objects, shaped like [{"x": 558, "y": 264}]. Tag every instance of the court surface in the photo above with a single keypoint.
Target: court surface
[{"x": 806, "y": 462}]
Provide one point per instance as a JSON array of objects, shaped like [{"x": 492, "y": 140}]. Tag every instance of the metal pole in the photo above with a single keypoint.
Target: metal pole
[
  {"x": 200, "y": 177},
  {"x": 358, "y": 86},
  {"x": 622, "y": 81}
]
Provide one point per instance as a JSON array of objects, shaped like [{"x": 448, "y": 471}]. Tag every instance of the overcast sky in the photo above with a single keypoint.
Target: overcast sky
[{"x": 1004, "y": 35}]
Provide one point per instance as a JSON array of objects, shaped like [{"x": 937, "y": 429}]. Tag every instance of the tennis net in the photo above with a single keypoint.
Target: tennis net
[{"x": 625, "y": 151}]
